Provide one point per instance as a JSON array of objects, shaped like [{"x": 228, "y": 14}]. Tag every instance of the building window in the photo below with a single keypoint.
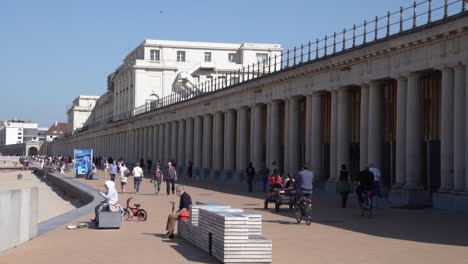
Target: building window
[
  {"x": 207, "y": 56},
  {"x": 232, "y": 57},
  {"x": 155, "y": 55},
  {"x": 19, "y": 137},
  {"x": 180, "y": 55},
  {"x": 262, "y": 57}
]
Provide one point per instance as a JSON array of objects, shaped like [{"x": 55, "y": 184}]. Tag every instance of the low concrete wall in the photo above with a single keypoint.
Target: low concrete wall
[
  {"x": 18, "y": 216},
  {"x": 75, "y": 190}
]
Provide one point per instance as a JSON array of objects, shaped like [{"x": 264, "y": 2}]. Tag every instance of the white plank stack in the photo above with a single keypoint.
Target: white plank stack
[{"x": 235, "y": 234}]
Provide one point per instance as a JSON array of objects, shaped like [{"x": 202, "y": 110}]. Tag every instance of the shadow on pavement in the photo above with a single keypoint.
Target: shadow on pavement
[{"x": 422, "y": 225}]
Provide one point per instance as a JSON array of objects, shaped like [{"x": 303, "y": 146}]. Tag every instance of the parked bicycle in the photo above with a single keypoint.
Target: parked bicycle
[
  {"x": 130, "y": 212},
  {"x": 303, "y": 210}
]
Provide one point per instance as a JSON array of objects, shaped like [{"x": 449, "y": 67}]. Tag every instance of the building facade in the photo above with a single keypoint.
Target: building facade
[
  {"x": 80, "y": 112},
  {"x": 397, "y": 101},
  {"x": 17, "y": 132}
]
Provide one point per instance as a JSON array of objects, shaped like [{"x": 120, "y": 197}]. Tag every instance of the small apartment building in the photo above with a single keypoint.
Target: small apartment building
[
  {"x": 158, "y": 68},
  {"x": 17, "y": 132}
]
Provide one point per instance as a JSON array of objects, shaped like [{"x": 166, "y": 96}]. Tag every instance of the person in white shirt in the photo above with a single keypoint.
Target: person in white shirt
[
  {"x": 137, "y": 176},
  {"x": 123, "y": 176},
  {"x": 377, "y": 175},
  {"x": 111, "y": 200}
]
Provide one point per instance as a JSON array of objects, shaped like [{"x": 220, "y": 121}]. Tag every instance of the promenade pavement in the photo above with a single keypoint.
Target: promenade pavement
[{"x": 335, "y": 236}]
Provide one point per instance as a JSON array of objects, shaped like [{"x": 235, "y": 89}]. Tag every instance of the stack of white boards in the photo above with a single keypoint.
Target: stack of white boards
[{"x": 229, "y": 234}]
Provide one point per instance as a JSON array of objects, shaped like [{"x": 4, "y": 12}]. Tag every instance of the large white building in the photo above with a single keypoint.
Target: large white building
[
  {"x": 17, "y": 132},
  {"x": 80, "y": 112},
  {"x": 158, "y": 68}
]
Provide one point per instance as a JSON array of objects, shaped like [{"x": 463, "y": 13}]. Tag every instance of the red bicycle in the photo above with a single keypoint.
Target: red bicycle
[{"x": 130, "y": 212}]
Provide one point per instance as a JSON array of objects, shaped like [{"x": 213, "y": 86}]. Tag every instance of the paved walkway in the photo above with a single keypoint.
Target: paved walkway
[{"x": 335, "y": 236}]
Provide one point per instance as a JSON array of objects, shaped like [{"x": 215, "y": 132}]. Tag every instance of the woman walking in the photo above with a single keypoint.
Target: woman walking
[{"x": 343, "y": 185}]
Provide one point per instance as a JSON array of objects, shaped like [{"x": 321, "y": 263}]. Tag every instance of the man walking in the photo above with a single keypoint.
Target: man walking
[
  {"x": 171, "y": 178},
  {"x": 113, "y": 171},
  {"x": 250, "y": 173},
  {"x": 137, "y": 176}
]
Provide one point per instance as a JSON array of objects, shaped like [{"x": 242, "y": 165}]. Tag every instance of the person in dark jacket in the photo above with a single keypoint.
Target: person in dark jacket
[
  {"x": 182, "y": 213},
  {"x": 343, "y": 185},
  {"x": 366, "y": 182},
  {"x": 250, "y": 173}
]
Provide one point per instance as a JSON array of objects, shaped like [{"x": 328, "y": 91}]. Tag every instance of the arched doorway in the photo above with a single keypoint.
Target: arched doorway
[{"x": 32, "y": 151}]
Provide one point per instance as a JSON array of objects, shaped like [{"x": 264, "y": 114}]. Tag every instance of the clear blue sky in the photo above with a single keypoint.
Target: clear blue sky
[{"x": 53, "y": 51}]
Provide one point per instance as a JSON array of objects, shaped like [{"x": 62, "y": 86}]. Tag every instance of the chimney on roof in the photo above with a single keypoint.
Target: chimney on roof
[{"x": 55, "y": 124}]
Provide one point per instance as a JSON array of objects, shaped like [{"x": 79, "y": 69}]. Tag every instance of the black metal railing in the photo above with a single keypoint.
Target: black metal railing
[{"x": 378, "y": 28}]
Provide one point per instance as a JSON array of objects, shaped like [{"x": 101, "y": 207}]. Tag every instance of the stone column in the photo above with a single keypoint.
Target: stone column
[
  {"x": 334, "y": 137},
  {"x": 287, "y": 117},
  {"x": 413, "y": 132},
  {"x": 155, "y": 144},
  {"x": 294, "y": 135},
  {"x": 268, "y": 135},
  {"x": 181, "y": 144},
  {"x": 161, "y": 143},
  {"x": 364, "y": 128},
  {"x": 459, "y": 129},
  {"x": 230, "y": 141},
  {"x": 188, "y": 140},
  {"x": 167, "y": 143},
  {"x": 466, "y": 129},
  {"x": 257, "y": 136},
  {"x": 446, "y": 130},
  {"x": 218, "y": 141},
  {"x": 242, "y": 142},
  {"x": 343, "y": 126},
  {"x": 375, "y": 125},
  {"x": 174, "y": 131},
  {"x": 198, "y": 141},
  {"x": 207, "y": 143},
  {"x": 400, "y": 154},
  {"x": 150, "y": 142},
  {"x": 316, "y": 145},
  {"x": 144, "y": 144},
  {"x": 275, "y": 129},
  {"x": 308, "y": 131}
]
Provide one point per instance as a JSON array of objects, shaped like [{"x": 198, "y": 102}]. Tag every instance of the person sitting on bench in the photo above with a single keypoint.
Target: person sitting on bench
[
  {"x": 182, "y": 213},
  {"x": 112, "y": 200}
]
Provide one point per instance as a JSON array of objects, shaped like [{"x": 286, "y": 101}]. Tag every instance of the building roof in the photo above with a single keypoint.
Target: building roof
[{"x": 58, "y": 129}]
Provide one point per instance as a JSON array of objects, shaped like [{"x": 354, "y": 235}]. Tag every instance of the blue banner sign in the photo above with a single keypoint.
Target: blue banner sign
[{"x": 83, "y": 161}]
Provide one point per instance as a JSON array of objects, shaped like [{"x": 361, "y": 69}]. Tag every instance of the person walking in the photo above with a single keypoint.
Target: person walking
[
  {"x": 137, "y": 177},
  {"x": 250, "y": 173},
  {"x": 171, "y": 178},
  {"x": 149, "y": 164},
  {"x": 190, "y": 169},
  {"x": 343, "y": 186},
  {"x": 124, "y": 172},
  {"x": 157, "y": 175},
  {"x": 113, "y": 171}
]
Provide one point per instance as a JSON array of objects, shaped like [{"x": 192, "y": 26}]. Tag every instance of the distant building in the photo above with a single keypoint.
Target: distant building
[
  {"x": 17, "y": 132},
  {"x": 42, "y": 134},
  {"x": 57, "y": 130},
  {"x": 158, "y": 68}
]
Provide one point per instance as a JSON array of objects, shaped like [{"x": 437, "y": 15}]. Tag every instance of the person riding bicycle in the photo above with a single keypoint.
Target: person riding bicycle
[
  {"x": 365, "y": 183},
  {"x": 304, "y": 183}
]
